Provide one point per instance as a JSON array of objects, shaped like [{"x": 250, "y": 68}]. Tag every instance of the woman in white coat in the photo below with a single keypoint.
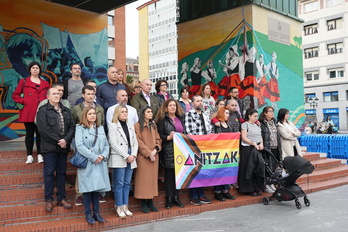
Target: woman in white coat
[
  {"x": 94, "y": 178},
  {"x": 288, "y": 135},
  {"x": 124, "y": 149}
]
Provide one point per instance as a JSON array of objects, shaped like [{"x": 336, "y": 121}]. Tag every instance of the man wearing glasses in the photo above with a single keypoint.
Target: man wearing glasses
[{"x": 233, "y": 94}]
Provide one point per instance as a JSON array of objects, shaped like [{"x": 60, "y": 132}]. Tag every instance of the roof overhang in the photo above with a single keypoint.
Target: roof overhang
[{"x": 96, "y": 6}]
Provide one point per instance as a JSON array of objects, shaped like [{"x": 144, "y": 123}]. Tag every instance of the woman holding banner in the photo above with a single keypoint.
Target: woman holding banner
[
  {"x": 146, "y": 176},
  {"x": 251, "y": 166},
  {"x": 170, "y": 121},
  {"x": 223, "y": 115}
]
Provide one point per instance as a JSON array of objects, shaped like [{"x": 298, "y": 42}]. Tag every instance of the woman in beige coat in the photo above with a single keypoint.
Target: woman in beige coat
[
  {"x": 146, "y": 176},
  {"x": 124, "y": 149},
  {"x": 288, "y": 135}
]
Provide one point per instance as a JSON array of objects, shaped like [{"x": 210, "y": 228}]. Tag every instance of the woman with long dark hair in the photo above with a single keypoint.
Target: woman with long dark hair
[
  {"x": 170, "y": 120},
  {"x": 271, "y": 140},
  {"x": 251, "y": 165},
  {"x": 29, "y": 93},
  {"x": 91, "y": 142},
  {"x": 146, "y": 176},
  {"x": 288, "y": 134}
]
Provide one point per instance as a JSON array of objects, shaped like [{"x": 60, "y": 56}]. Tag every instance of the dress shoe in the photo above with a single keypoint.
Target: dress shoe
[
  {"x": 169, "y": 202},
  {"x": 98, "y": 217},
  {"x": 48, "y": 206},
  {"x": 90, "y": 219},
  {"x": 177, "y": 202},
  {"x": 64, "y": 203}
]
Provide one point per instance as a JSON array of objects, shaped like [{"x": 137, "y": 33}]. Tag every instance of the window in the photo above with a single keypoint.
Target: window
[
  {"x": 336, "y": 73},
  {"x": 312, "y": 76},
  {"x": 334, "y": 48},
  {"x": 110, "y": 20},
  {"x": 333, "y": 2},
  {"x": 311, "y": 52},
  {"x": 111, "y": 42},
  {"x": 311, "y": 6},
  {"x": 307, "y": 96},
  {"x": 330, "y": 96},
  {"x": 311, "y": 29},
  {"x": 110, "y": 62},
  {"x": 334, "y": 24}
]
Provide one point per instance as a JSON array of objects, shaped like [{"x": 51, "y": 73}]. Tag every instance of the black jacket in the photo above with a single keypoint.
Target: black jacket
[
  {"x": 165, "y": 126},
  {"x": 266, "y": 137},
  {"x": 48, "y": 124},
  {"x": 235, "y": 121},
  {"x": 217, "y": 129}
]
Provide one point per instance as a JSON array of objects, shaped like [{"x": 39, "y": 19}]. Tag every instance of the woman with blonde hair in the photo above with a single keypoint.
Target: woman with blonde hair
[
  {"x": 135, "y": 87},
  {"x": 124, "y": 149},
  {"x": 91, "y": 142}
]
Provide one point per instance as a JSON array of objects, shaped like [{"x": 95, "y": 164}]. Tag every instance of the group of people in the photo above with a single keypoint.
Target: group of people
[{"x": 125, "y": 129}]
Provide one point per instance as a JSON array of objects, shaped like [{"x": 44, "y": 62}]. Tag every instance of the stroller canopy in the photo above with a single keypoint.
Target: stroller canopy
[{"x": 297, "y": 164}]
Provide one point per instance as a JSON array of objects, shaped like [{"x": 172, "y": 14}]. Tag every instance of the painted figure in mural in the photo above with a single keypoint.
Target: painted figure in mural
[
  {"x": 272, "y": 85},
  {"x": 249, "y": 85},
  {"x": 8, "y": 77},
  {"x": 210, "y": 76},
  {"x": 196, "y": 76},
  {"x": 185, "y": 81},
  {"x": 231, "y": 68},
  {"x": 29, "y": 92},
  {"x": 23, "y": 49},
  {"x": 88, "y": 70}
]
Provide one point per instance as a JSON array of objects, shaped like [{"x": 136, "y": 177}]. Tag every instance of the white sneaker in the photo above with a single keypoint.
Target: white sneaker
[
  {"x": 268, "y": 189},
  {"x": 29, "y": 159},
  {"x": 40, "y": 158}
]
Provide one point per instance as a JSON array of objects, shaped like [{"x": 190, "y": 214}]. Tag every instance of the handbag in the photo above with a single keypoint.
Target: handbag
[
  {"x": 19, "y": 106},
  {"x": 80, "y": 161}
]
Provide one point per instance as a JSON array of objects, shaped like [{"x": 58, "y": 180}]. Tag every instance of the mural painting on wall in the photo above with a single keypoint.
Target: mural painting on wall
[
  {"x": 55, "y": 49},
  {"x": 246, "y": 59}
]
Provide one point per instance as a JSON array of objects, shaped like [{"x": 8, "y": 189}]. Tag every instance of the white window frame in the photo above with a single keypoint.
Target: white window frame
[
  {"x": 335, "y": 48},
  {"x": 311, "y": 29},
  {"x": 334, "y": 24},
  {"x": 311, "y": 52},
  {"x": 311, "y": 6},
  {"x": 314, "y": 76},
  {"x": 338, "y": 73}
]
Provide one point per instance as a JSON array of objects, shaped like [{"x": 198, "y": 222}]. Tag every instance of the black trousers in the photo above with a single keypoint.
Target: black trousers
[
  {"x": 169, "y": 182},
  {"x": 31, "y": 129}
]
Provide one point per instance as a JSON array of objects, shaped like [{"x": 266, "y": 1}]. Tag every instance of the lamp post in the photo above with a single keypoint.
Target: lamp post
[{"x": 313, "y": 102}]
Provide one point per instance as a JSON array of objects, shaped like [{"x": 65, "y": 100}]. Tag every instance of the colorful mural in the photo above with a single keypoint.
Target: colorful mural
[
  {"x": 252, "y": 48},
  {"x": 53, "y": 35}
]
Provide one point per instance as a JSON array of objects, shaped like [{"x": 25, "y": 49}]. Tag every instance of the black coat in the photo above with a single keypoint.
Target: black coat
[
  {"x": 266, "y": 137},
  {"x": 164, "y": 127},
  {"x": 48, "y": 124}
]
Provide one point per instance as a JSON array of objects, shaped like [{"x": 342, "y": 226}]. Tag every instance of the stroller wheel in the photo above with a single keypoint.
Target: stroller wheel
[
  {"x": 265, "y": 201},
  {"x": 306, "y": 201},
  {"x": 298, "y": 204}
]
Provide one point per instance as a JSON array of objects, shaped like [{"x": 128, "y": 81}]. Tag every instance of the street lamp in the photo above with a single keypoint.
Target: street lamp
[{"x": 313, "y": 102}]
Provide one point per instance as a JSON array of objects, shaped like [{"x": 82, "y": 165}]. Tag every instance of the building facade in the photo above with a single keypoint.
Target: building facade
[
  {"x": 325, "y": 60},
  {"x": 158, "y": 53}
]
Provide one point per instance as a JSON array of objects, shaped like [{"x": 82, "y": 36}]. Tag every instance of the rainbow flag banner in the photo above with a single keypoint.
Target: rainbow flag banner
[{"x": 206, "y": 160}]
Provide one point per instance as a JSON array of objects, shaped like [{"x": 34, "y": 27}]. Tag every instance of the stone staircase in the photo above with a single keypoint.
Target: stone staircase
[{"x": 22, "y": 197}]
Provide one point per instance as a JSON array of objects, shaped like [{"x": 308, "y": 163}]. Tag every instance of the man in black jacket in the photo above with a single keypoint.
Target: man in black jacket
[{"x": 57, "y": 129}]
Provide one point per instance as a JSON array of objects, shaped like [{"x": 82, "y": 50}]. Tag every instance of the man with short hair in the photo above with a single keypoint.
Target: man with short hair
[
  {"x": 122, "y": 99},
  {"x": 235, "y": 118},
  {"x": 145, "y": 98},
  {"x": 57, "y": 129},
  {"x": 73, "y": 86},
  {"x": 96, "y": 100},
  {"x": 233, "y": 94},
  {"x": 106, "y": 91},
  {"x": 60, "y": 88},
  {"x": 197, "y": 123}
]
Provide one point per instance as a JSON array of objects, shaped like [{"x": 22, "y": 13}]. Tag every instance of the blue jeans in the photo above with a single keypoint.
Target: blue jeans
[
  {"x": 196, "y": 193},
  {"x": 88, "y": 198},
  {"x": 221, "y": 188},
  {"x": 121, "y": 178},
  {"x": 55, "y": 163}
]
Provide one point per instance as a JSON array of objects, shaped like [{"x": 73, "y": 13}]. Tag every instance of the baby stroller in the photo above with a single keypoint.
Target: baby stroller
[{"x": 286, "y": 187}]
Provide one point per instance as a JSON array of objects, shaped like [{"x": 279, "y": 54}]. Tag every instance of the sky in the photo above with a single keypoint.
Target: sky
[{"x": 132, "y": 29}]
